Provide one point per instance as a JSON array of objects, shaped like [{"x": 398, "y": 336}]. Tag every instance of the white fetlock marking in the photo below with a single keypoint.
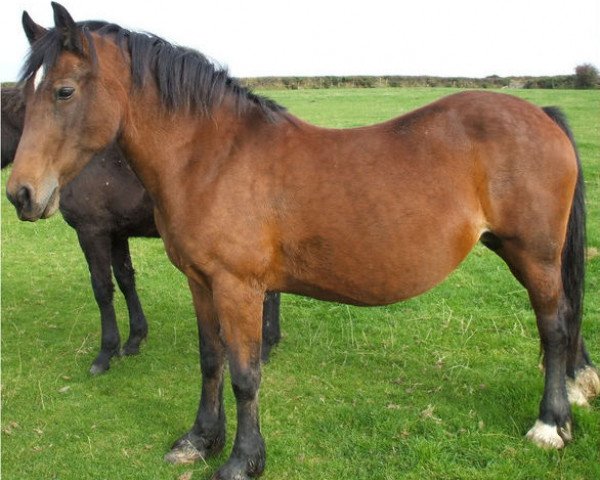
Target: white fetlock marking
[
  {"x": 184, "y": 454},
  {"x": 588, "y": 382},
  {"x": 575, "y": 394},
  {"x": 545, "y": 436}
]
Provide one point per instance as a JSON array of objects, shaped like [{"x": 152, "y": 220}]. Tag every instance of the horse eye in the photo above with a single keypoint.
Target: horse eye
[{"x": 64, "y": 93}]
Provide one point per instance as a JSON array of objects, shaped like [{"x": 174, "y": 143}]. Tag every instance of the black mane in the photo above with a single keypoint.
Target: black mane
[{"x": 185, "y": 78}]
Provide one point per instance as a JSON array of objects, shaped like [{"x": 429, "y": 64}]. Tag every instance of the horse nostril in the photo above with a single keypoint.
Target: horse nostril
[{"x": 24, "y": 197}]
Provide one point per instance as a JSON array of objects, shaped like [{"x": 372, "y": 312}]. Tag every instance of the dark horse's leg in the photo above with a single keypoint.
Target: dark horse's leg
[
  {"x": 97, "y": 251},
  {"x": 239, "y": 328},
  {"x": 271, "y": 333},
  {"x": 125, "y": 275}
]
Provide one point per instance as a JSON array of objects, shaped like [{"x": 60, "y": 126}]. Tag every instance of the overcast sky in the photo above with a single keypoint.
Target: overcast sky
[{"x": 473, "y": 38}]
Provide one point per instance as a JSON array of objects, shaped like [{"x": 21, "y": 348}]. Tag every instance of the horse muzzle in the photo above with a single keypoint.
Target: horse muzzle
[{"x": 31, "y": 207}]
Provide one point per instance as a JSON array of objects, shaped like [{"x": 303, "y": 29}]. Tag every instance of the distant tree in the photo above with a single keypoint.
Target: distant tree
[{"x": 586, "y": 76}]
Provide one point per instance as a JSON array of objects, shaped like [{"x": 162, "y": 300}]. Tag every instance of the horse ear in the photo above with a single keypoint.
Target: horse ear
[
  {"x": 33, "y": 31},
  {"x": 66, "y": 26}
]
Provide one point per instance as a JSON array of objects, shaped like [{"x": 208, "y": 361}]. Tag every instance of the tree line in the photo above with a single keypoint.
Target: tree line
[{"x": 586, "y": 76}]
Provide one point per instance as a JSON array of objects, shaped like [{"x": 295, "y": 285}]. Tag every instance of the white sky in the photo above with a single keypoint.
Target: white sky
[{"x": 344, "y": 37}]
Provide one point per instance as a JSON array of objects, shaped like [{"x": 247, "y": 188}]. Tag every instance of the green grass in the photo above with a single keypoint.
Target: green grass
[{"x": 443, "y": 386}]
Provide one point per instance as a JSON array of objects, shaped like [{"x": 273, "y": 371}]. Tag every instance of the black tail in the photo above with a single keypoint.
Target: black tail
[{"x": 573, "y": 254}]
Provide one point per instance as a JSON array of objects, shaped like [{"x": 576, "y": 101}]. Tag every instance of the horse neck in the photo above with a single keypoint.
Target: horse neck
[
  {"x": 161, "y": 145},
  {"x": 13, "y": 114},
  {"x": 13, "y": 108}
]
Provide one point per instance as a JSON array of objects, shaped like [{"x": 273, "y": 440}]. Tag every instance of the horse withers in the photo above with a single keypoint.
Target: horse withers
[
  {"x": 251, "y": 199},
  {"x": 106, "y": 205}
]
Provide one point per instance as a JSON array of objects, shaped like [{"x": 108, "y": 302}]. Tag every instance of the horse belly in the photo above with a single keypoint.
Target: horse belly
[{"x": 364, "y": 268}]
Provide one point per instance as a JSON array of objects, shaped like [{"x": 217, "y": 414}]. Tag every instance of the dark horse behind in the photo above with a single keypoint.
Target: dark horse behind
[
  {"x": 250, "y": 199},
  {"x": 106, "y": 205}
]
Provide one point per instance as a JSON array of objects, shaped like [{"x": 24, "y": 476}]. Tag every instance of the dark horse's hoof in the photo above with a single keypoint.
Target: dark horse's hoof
[
  {"x": 131, "y": 348},
  {"x": 132, "y": 345},
  {"x": 98, "y": 368},
  {"x": 102, "y": 362},
  {"x": 192, "y": 447}
]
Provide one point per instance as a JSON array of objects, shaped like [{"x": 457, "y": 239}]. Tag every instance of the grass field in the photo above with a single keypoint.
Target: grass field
[{"x": 443, "y": 386}]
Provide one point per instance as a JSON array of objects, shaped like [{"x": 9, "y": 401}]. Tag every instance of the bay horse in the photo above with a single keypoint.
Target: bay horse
[
  {"x": 250, "y": 199},
  {"x": 106, "y": 205}
]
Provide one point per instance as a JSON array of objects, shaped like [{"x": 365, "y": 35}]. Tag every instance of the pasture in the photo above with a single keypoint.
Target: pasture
[{"x": 443, "y": 386}]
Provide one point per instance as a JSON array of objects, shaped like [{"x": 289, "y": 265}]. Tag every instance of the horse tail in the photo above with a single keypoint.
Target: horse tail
[{"x": 574, "y": 249}]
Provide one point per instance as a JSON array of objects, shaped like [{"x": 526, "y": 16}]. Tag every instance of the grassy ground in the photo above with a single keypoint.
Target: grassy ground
[{"x": 443, "y": 386}]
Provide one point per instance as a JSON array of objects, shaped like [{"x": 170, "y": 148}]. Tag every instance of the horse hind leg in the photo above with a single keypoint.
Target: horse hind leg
[
  {"x": 540, "y": 274},
  {"x": 271, "y": 331},
  {"x": 554, "y": 425},
  {"x": 125, "y": 276}
]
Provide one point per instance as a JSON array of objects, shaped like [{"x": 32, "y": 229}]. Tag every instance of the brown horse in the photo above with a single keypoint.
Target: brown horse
[
  {"x": 106, "y": 205},
  {"x": 251, "y": 199}
]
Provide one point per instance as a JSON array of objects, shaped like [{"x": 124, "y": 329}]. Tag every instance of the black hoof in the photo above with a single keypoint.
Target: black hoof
[
  {"x": 99, "y": 368},
  {"x": 130, "y": 349},
  {"x": 132, "y": 345},
  {"x": 240, "y": 470},
  {"x": 192, "y": 447},
  {"x": 102, "y": 362},
  {"x": 242, "y": 466}
]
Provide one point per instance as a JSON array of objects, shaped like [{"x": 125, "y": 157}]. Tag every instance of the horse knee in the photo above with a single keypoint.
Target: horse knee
[
  {"x": 245, "y": 384},
  {"x": 553, "y": 334},
  {"x": 103, "y": 291},
  {"x": 125, "y": 276},
  {"x": 212, "y": 364}
]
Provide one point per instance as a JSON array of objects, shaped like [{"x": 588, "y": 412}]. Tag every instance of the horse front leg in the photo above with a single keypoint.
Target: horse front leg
[
  {"x": 207, "y": 436},
  {"x": 239, "y": 308},
  {"x": 97, "y": 251}
]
